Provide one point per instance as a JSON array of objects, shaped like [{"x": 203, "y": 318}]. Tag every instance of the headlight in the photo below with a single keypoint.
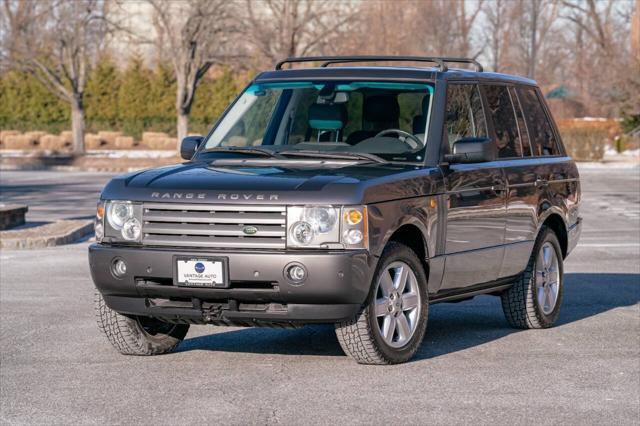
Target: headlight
[
  {"x": 118, "y": 213},
  {"x": 123, "y": 221},
  {"x": 323, "y": 219},
  {"x": 327, "y": 227}
]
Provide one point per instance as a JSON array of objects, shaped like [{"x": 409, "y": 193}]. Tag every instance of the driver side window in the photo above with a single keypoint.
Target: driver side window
[{"x": 464, "y": 116}]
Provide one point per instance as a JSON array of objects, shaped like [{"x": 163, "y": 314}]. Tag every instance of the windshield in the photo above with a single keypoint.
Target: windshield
[{"x": 378, "y": 119}]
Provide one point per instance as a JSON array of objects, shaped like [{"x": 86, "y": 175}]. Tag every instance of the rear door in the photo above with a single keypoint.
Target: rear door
[
  {"x": 476, "y": 197},
  {"x": 536, "y": 179}
]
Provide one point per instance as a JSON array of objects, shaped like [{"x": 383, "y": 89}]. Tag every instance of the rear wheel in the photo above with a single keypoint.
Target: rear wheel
[
  {"x": 390, "y": 328},
  {"x": 137, "y": 335},
  {"x": 534, "y": 299}
]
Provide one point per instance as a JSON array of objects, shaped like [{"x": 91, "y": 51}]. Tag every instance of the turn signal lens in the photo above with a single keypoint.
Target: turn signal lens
[
  {"x": 100, "y": 210},
  {"x": 353, "y": 217}
]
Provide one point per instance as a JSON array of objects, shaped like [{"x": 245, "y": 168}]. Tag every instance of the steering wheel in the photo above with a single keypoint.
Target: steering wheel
[{"x": 408, "y": 138}]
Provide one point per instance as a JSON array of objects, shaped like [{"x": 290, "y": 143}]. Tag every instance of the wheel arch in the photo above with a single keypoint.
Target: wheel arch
[
  {"x": 412, "y": 235},
  {"x": 556, "y": 223}
]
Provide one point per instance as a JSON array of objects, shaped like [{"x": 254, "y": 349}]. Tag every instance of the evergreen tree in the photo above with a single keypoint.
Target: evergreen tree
[
  {"x": 162, "y": 99},
  {"x": 27, "y": 105},
  {"x": 212, "y": 98},
  {"x": 102, "y": 94},
  {"x": 134, "y": 97}
]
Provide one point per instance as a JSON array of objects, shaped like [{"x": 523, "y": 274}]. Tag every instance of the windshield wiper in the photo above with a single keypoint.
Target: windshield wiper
[
  {"x": 342, "y": 155},
  {"x": 243, "y": 150}
]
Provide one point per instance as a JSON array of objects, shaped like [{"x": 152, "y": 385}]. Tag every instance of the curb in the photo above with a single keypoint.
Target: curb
[
  {"x": 20, "y": 168},
  {"x": 82, "y": 229}
]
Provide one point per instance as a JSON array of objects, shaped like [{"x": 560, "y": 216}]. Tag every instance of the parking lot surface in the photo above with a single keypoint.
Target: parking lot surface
[{"x": 55, "y": 367}]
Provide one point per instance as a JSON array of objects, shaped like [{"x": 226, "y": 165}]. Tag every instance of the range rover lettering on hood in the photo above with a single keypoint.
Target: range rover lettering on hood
[{"x": 203, "y": 196}]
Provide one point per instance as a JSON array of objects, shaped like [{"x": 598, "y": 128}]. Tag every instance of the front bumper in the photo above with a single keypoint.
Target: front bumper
[{"x": 336, "y": 287}]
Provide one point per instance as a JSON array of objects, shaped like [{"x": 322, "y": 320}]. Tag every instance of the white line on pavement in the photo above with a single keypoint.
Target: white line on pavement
[{"x": 609, "y": 245}]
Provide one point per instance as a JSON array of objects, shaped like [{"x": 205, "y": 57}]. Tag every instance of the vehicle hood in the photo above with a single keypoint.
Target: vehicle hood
[{"x": 281, "y": 182}]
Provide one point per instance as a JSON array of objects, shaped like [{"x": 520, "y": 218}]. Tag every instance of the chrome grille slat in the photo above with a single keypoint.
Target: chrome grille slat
[
  {"x": 214, "y": 217},
  {"x": 213, "y": 242},
  {"x": 213, "y": 225},
  {"x": 214, "y": 230}
]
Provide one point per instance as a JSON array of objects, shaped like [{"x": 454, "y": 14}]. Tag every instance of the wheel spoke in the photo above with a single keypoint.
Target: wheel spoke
[
  {"x": 400, "y": 279},
  {"x": 548, "y": 300},
  {"x": 386, "y": 284},
  {"x": 541, "y": 296},
  {"x": 409, "y": 301},
  {"x": 404, "y": 331},
  {"x": 381, "y": 307},
  {"x": 546, "y": 255},
  {"x": 388, "y": 328}
]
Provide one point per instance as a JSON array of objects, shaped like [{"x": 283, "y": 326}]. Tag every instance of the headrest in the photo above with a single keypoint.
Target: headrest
[
  {"x": 381, "y": 108},
  {"x": 327, "y": 116}
]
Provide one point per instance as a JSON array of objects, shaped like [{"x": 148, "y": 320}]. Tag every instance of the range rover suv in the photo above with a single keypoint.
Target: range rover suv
[{"x": 350, "y": 195}]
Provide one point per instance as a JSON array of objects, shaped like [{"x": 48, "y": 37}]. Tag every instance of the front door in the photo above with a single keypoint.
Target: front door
[{"x": 476, "y": 198}]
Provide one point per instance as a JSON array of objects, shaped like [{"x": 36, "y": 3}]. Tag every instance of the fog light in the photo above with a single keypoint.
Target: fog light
[
  {"x": 296, "y": 273},
  {"x": 119, "y": 268}
]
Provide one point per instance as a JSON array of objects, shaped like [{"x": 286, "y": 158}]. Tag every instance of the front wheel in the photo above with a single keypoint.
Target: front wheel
[
  {"x": 390, "y": 327},
  {"x": 534, "y": 299},
  {"x": 137, "y": 335}
]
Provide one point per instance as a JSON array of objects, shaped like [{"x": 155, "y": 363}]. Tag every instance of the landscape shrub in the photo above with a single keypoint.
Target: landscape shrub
[
  {"x": 585, "y": 144},
  {"x": 132, "y": 100}
]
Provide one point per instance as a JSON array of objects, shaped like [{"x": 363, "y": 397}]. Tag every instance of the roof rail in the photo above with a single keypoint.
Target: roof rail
[{"x": 328, "y": 60}]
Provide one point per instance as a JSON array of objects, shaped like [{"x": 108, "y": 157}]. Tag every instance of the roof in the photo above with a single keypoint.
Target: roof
[{"x": 387, "y": 73}]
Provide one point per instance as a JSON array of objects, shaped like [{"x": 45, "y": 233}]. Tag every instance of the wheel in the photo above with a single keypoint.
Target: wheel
[
  {"x": 390, "y": 327},
  {"x": 534, "y": 299},
  {"x": 137, "y": 335}
]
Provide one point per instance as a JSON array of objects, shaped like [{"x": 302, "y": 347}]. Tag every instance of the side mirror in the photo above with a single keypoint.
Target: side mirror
[
  {"x": 189, "y": 146},
  {"x": 472, "y": 150}
]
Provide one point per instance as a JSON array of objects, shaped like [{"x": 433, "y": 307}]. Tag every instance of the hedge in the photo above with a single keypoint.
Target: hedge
[{"x": 132, "y": 100}]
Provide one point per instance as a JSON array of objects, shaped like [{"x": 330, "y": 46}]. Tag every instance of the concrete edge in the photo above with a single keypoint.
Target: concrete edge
[{"x": 80, "y": 231}]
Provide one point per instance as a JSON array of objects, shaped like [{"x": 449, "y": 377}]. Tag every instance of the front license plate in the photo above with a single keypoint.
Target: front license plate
[{"x": 201, "y": 272}]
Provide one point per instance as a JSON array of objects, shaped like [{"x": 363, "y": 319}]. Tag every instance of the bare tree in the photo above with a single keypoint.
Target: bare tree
[
  {"x": 496, "y": 30},
  {"x": 596, "y": 22},
  {"x": 58, "y": 41},
  {"x": 281, "y": 28},
  {"x": 195, "y": 35},
  {"x": 535, "y": 19}
]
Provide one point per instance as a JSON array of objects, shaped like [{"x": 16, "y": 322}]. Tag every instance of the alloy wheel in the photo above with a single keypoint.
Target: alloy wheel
[
  {"x": 397, "y": 304},
  {"x": 547, "y": 278}
]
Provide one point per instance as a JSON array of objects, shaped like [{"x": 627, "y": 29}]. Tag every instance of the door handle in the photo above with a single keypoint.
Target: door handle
[
  {"x": 497, "y": 188},
  {"x": 541, "y": 183}
]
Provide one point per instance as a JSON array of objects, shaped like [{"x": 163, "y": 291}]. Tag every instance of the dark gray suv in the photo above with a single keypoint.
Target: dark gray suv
[{"x": 350, "y": 195}]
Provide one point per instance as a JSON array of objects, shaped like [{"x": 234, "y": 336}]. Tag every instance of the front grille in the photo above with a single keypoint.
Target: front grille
[{"x": 213, "y": 226}]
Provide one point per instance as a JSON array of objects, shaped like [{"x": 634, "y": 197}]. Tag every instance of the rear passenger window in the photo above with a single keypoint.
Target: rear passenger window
[
  {"x": 543, "y": 140},
  {"x": 464, "y": 113},
  {"x": 522, "y": 127},
  {"x": 504, "y": 121}
]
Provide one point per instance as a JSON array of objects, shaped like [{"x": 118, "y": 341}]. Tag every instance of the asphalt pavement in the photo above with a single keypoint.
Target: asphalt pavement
[{"x": 55, "y": 368}]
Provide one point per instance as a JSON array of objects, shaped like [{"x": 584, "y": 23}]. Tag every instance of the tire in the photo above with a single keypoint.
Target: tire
[
  {"x": 135, "y": 335},
  {"x": 522, "y": 304},
  {"x": 362, "y": 337}
]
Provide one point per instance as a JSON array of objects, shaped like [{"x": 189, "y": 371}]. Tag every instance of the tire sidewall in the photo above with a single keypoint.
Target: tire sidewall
[
  {"x": 548, "y": 236},
  {"x": 399, "y": 252}
]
